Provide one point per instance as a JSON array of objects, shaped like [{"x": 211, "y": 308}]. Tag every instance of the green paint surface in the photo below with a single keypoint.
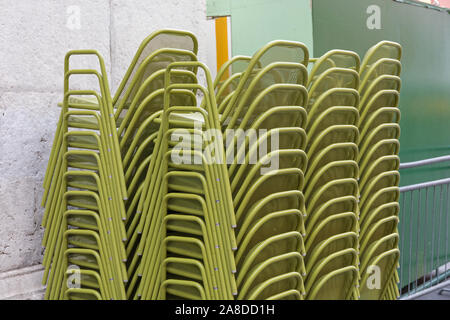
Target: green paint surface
[
  {"x": 256, "y": 22},
  {"x": 218, "y": 8}
]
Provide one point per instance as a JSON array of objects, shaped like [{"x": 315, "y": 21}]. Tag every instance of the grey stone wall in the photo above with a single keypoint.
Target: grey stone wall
[{"x": 34, "y": 37}]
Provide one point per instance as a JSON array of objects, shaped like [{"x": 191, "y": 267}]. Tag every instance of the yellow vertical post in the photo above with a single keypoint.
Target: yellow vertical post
[{"x": 222, "y": 43}]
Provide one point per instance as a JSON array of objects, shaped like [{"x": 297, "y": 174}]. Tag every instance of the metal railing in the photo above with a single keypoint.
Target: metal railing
[
  {"x": 424, "y": 228},
  {"x": 420, "y": 3}
]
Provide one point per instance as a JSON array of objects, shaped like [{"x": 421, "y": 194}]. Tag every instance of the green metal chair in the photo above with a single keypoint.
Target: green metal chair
[
  {"x": 382, "y": 50},
  {"x": 213, "y": 173},
  {"x": 387, "y": 261},
  {"x": 339, "y": 284},
  {"x": 335, "y": 261},
  {"x": 331, "y": 188},
  {"x": 273, "y": 266},
  {"x": 95, "y": 194},
  {"x": 381, "y": 99},
  {"x": 329, "y": 208},
  {"x": 276, "y": 285}
]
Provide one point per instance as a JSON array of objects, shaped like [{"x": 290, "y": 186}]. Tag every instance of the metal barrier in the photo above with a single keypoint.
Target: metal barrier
[{"x": 424, "y": 226}]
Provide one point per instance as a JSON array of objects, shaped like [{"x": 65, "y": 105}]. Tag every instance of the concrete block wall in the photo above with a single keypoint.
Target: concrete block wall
[{"x": 34, "y": 39}]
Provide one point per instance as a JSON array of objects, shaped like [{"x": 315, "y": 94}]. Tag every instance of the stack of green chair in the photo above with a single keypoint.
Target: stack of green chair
[
  {"x": 267, "y": 194},
  {"x": 269, "y": 183},
  {"x": 127, "y": 121},
  {"x": 331, "y": 181},
  {"x": 152, "y": 55},
  {"x": 84, "y": 209},
  {"x": 379, "y": 163},
  {"x": 138, "y": 158},
  {"x": 138, "y": 119},
  {"x": 224, "y": 85}
]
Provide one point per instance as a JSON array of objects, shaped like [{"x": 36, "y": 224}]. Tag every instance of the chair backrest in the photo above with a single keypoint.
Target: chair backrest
[
  {"x": 330, "y": 98},
  {"x": 281, "y": 243},
  {"x": 384, "y": 211},
  {"x": 237, "y": 64},
  {"x": 166, "y": 38},
  {"x": 333, "y": 152},
  {"x": 273, "y": 52},
  {"x": 334, "y": 59},
  {"x": 333, "y": 206},
  {"x": 277, "y": 201},
  {"x": 383, "y": 49},
  {"x": 383, "y": 66}
]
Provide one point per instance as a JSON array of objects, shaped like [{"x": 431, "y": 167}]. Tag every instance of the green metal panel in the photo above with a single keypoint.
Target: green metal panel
[
  {"x": 424, "y": 102},
  {"x": 256, "y": 22}
]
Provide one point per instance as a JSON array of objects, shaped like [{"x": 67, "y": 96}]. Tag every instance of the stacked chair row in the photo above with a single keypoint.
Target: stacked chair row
[
  {"x": 379, "y": 163},
  {"x": 265, "y": 110},
  {"x": 189, "y": 219},
  {"x": 245, "y": 187},
  {"x": 247, "y": 204},
  {"x": 84, "y": 196},
  {"x": 113, "y": 137},
  {"x": 331, "y": 189}
]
